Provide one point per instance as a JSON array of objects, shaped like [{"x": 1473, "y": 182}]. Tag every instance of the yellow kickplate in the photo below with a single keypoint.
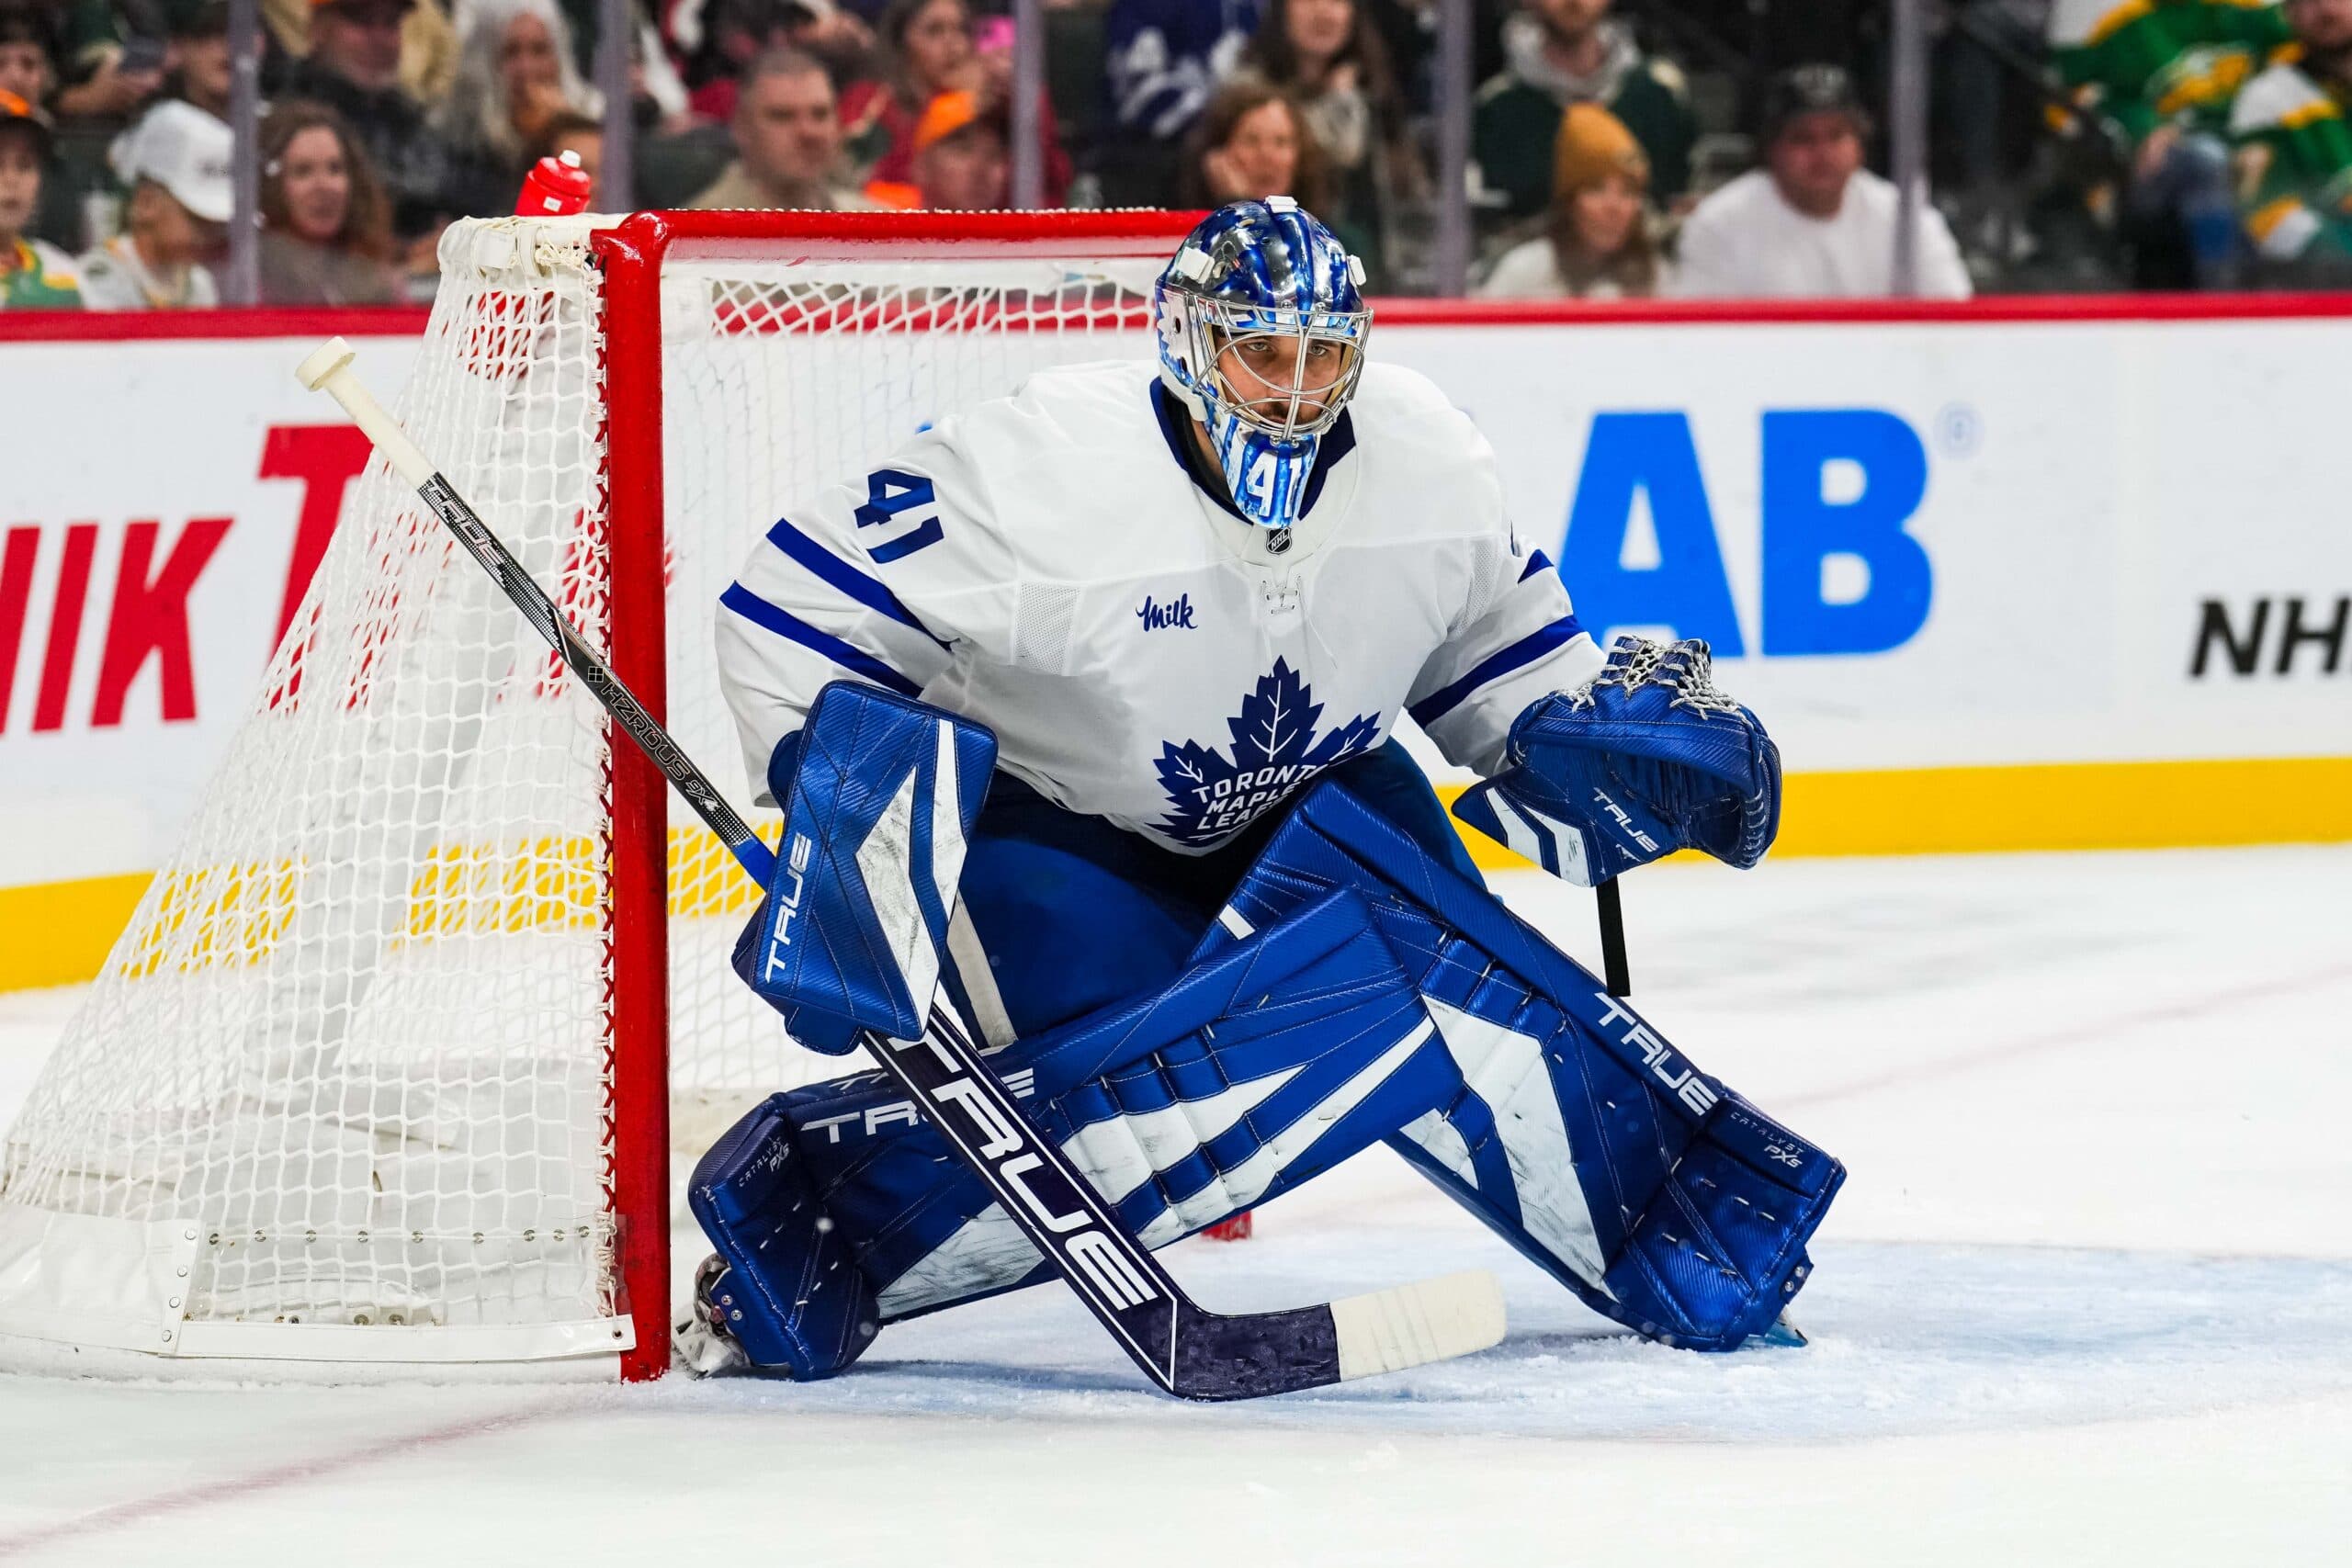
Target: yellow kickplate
[
  {"x": 2059, "y": 806},
  {"x": 58, "y": 934}
]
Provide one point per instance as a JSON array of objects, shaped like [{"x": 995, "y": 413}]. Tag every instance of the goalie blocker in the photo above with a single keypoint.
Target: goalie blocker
[{"x": 1355, "y": 987}]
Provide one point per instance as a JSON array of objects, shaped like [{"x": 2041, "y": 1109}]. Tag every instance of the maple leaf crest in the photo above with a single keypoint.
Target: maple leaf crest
[{"x": 1275, "y": 749}]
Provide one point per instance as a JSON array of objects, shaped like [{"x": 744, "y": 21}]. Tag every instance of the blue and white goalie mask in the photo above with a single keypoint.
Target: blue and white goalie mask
[{"x": 1263, "y": 321}]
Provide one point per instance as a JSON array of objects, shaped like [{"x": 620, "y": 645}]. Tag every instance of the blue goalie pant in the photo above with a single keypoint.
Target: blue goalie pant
[{"x": 1201, "y": 1033}]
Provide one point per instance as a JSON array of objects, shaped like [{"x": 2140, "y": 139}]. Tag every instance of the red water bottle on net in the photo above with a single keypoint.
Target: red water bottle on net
[{"x": 556, "y": 186}]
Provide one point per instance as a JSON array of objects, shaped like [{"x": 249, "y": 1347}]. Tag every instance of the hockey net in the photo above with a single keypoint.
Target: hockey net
[{"x": 381, "y": 1071}]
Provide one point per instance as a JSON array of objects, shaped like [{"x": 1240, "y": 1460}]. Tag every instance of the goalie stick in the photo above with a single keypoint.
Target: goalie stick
[
  {"x": 1619, "y": 979},
  {"x": 1185, "y": 1349}
]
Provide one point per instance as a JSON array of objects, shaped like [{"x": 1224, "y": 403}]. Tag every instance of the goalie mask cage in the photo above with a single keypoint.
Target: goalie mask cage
[{"x": 382, "y": 1073}]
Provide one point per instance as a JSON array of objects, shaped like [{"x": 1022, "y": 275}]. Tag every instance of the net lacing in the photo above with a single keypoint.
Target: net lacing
[{"x": 1685, "y": 668}]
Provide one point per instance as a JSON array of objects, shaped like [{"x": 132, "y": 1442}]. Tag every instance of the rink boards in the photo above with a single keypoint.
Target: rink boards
[{"x": 1997, "y": 577}]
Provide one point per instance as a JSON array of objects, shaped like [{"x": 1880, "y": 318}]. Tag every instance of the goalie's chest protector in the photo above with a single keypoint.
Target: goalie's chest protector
[{"x": 1158, "y": 661}]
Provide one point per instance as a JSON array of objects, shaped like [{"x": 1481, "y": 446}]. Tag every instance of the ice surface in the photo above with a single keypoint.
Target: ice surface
[{"x": 2085, "y": 1298}]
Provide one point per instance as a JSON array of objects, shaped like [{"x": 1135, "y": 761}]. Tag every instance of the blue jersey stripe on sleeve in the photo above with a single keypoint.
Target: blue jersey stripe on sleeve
[
  {"x": 787, "y": 625},
  {"x": 1537, "y": 562},
  {"x": 1494, "y": 667},
  {"x": 839, "y": 574}
]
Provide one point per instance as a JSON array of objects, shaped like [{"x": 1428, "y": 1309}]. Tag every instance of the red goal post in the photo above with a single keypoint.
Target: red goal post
[{"x": 633, "y": 257}]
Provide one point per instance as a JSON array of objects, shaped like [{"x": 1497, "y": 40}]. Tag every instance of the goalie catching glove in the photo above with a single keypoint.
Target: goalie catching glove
[{"x": 1645, "y": 758}]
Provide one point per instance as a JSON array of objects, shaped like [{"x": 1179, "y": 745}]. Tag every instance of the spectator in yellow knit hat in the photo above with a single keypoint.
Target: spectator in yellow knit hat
[{"x": 1597, "y": 242}]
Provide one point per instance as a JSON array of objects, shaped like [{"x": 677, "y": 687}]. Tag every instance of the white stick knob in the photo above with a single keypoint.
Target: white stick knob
[{"x": 328, "y": 369}]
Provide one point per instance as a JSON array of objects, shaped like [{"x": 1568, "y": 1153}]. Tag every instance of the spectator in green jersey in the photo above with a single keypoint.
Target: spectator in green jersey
[
  {"x": 33, "y": 274},
  {"x": 1570, "y": 52},
  {"x": 108, "y": 72},
  {"x": 2167, "y": 72},
  {"x": 2294, "y": 151}
]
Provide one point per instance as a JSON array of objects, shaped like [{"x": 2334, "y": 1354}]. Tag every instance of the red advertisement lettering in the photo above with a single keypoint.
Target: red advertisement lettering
[
  {"x": 150, "y": 618},
  {"x": 15, "y": 598},
  {"x": 325, "y": 458},
  {"x": 64, "y": 627}
]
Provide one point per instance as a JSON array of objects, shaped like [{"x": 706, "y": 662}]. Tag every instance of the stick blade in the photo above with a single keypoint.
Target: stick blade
[{"x": 1431, "y": 1320}]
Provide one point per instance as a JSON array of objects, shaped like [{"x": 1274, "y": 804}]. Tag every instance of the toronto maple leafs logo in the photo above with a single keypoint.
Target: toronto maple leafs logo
[{"x": 1275, "y": 749}]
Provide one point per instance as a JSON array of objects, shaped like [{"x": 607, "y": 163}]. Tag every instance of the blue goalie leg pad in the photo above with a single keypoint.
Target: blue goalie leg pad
[
  {"x": 794, "y": 1297},
  {"x": 1661, "y": 1198},
  {"x": 1263, "y": 1066},
  {"x": 884, "y": 793}
]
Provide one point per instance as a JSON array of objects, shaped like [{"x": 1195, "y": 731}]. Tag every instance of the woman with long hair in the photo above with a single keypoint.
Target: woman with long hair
[
  {"x": 1597, "y": 242},
  {"x": 1252, "y": 141},
  {"x": 326, "y": 234},
  {"x": 1329, "y": 57},
  {"x": 514, "y": 75}
]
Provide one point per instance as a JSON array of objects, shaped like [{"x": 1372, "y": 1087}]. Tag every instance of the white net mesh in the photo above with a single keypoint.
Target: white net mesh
[{"x": 350, "y": 1065}]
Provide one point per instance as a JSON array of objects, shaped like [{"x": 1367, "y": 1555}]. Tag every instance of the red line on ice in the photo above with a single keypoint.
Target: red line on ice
[
  {"x": 204, "y": 1494},
  {"x": 2089, "y": 1034}
]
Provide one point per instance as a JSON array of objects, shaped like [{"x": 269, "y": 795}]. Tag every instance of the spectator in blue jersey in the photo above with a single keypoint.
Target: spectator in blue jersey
[{"x": 1164, "y": 59}]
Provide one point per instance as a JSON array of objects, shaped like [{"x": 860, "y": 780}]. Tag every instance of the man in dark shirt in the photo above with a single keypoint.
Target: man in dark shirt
[{"x": 353, "y": 68}]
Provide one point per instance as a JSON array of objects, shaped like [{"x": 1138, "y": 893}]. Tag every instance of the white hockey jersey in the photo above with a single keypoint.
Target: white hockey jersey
[{"x": 1046, "y": 564}]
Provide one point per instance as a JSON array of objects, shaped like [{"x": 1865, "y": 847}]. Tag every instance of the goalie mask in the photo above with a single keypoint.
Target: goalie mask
[{"x": 1256, "y": 279}]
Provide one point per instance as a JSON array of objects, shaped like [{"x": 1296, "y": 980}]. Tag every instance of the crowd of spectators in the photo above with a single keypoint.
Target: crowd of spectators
[{"x": 1639, "y": 148}]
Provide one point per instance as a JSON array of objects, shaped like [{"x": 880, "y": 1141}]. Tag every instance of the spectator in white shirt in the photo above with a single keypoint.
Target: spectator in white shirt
[
  {"x": 1812, "y": 223},
  {"x": 176, "y": 160}
]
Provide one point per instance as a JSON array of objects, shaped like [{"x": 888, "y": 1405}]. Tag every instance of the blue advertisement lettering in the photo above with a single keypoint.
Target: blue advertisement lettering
[
  {"x": 1650, "y": 454},
  {"x": 1803, "y": 529},
  {"x": 1840, "y": 572}
]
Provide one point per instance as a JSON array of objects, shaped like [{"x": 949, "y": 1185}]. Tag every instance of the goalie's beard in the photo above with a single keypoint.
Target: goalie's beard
[{"x": 1285, "y": 417}]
